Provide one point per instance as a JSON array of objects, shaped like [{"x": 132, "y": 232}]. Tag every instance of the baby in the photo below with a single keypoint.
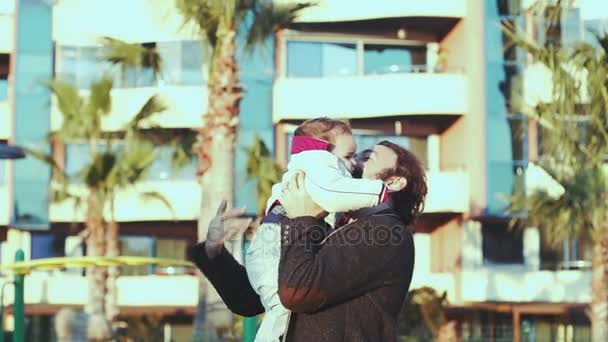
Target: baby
[{"x": 324, "y": 149}]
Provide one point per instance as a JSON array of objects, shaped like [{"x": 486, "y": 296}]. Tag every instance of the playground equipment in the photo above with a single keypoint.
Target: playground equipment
[{"x": 21, "y": 268}]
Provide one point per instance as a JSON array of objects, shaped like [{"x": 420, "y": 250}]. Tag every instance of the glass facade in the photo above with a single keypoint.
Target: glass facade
[
  {"x": 416, "y": 145},
  {"x": 136, "y": 246},
  {"x": 33, "y": 66},
  {"x": 506, "y": 162},
  {"x": 78, "y": 156},
  {"x": 146, "y": 246},
  {"x": 182, "y": 65},
  {"x": 391, "y": 59},
  {"x": 315, "y": 59},
  {"x": 333, "y": 59}
]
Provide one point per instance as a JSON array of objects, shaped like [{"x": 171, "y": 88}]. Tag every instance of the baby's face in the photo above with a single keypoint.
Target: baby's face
[{"x": 344, "y": 149}]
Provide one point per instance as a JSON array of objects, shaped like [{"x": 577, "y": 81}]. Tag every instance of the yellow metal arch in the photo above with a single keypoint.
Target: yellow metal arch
[{"x": 49, "y": 264}]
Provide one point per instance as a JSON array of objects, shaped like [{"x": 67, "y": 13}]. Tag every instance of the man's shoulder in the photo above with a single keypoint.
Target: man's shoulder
[{"x": 386, "y": 229}]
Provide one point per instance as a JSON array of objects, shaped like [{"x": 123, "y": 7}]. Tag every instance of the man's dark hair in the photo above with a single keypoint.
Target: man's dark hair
[{"x": 409, "y": 202}]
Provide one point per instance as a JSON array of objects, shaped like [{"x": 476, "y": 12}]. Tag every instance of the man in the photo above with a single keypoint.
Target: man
[{"x": 345, "y": 284}]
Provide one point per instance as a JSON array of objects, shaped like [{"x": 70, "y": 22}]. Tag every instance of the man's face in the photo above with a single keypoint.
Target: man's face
[{"x": 380, "y": 159}]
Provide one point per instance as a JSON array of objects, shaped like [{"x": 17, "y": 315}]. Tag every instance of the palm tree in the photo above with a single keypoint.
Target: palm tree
[
  {"x": 113, "y": 167},
  {"x": 574, "y": 128},
  {"x": 218, "y": 23},
  {"x": 118, "y": 162}
]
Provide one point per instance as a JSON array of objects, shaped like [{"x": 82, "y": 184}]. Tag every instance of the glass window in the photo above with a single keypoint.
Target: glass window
[
  {"x": 171, "y": 248},
  {"x": 192, "y": 63},
  {"x": 572, "y": 32},
  {"x": 387, "y": 59},
  {"x": 88, "y": 68},
  {"x": 163, "y": 168},
  {"x": 169, "y": 53},
  {"x": 418, "y": 146},
  {"x": 509, "y": 7},
  {"x": 182, "y": 62},
  {"x": 315, "y": 59},
  {"x": 552, "y": 27},
  {"x": 47, "y": 245},
  {"x": 67, "y": 56},
  {"x": 77, "y": 156},
  {"x": 501, "y": 244},
  {"x": 135, "y": 246}
]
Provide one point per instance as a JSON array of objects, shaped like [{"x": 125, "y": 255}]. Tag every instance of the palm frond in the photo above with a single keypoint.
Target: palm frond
[
  {"x": 133, "y": 163},
  {"x": 156, "y": 196},
  {"x": 48, "y": 160},
  {"x": 263, "y": 168},
  {"x": 100, "y": 99},
  {"x": 68, "y": 99},
  {"x": 129, "y": 55},
  {"x": 183, "y": 149},
  {"x": 153, "y": 106},
  {"x": 269, "y": 17},
  {"x": 204, "y": 14}
]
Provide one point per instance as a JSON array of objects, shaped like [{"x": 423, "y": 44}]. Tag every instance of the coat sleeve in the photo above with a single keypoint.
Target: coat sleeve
[
  {"x": 311, "y": 279},
  {"x": 230, "y": 280},
  {"x": 332, "y": 188}
]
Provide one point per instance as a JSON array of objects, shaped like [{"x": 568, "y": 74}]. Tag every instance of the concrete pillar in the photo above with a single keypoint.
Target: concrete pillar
[
  {"x": 531, "y": 248},
  {"x": 432, "y": 56},
  {"x": 433, "y": 152},
  {"x": 472, "y": 254},
  {"x": 422, "y": 247}
]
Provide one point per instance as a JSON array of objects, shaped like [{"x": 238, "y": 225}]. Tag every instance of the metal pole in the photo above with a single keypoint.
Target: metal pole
[
  {"x": 19, "y": 308},
  {"x": 249, "y": 323}
]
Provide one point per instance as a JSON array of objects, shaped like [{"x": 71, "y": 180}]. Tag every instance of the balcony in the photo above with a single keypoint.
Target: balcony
[
  {"x": 343, "y": 10},
  {"x": 448, "y": 191},
  {"x": 510, "y": 284},
  {"x": 186, "y": 104},
  {"x": 133, "y": 291},
  {"x": 82, "y": 23},
  {"x": 366, "y": 96},
  {"x": 184, "y": 196}
]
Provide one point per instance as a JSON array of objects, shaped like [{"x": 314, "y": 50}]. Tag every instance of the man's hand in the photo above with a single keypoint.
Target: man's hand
[
  {"x": 296, "y": 201},
  {"x": 225, "y": 225}
]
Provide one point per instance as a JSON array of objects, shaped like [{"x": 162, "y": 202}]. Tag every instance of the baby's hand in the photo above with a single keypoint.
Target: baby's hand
[{"x": 296, "y": 201}]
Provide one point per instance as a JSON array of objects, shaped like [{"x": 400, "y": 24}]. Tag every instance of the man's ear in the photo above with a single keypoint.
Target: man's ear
[{"x": 396, "y": 183}]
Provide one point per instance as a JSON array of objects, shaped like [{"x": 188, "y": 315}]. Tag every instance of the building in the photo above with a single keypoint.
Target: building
[
  {"x": 42, "y": 40},
  {"x": 440, "y": 77},
  {"x": 436, "y": 76}
]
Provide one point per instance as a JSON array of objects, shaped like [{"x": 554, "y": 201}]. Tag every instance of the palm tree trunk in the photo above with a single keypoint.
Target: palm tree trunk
[
  {"x": 97, "y": 327},
  {"x": 599, "y": 292},
  {"x": 598, "y": 312},
  {"x": 113, "y": 250},
  {"x": 216, "y": 151}
]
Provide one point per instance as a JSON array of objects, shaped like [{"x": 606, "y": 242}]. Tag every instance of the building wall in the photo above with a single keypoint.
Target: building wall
[
  {"x": 463, "y": 143},
  {"x": 446, "y": 247}
]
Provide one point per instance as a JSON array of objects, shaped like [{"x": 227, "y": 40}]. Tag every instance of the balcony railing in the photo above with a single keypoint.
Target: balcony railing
[
  {"x": 343, "y": 10},
  {"x": 367, "y": 96}
]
